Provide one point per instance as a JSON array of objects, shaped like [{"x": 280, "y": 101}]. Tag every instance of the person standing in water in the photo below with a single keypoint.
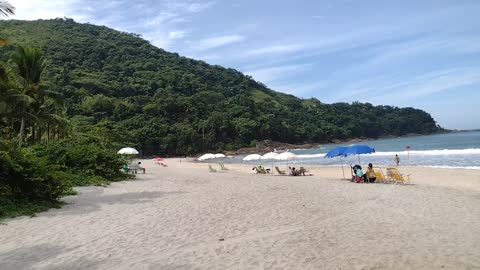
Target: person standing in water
[{"x": 397, "y": 159}]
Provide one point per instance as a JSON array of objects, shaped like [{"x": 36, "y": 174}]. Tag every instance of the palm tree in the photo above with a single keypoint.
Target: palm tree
[
  {"x": 28, "y": 65},
  {"x": 12, "y": 100},
  {"x": 48, "y": 108},
  {"x": 6, "y": 9}
]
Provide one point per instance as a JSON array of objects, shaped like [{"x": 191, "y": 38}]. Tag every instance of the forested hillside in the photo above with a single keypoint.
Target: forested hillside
[{"x": 121, "y": 87}]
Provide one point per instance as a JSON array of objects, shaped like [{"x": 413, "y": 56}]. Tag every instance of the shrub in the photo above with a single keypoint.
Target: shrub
[
  {"x": 86, "y": 159},
  {"x": 33, "y": 179},
  {"x": 26, "y": 177}
]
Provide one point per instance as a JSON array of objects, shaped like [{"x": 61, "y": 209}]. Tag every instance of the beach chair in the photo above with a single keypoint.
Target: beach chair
[
  {"x": 222, "y": 166},
  {"x": 211, "y": 169},
  {"x": 396, "y": 176},
  {"x": 134, "y": 168},
  {"x": 379, "y": 175},
  {"x": 279, "y": 171},
  {"x": 302, "y": 171},
  {"x": 261, "y": 170}
]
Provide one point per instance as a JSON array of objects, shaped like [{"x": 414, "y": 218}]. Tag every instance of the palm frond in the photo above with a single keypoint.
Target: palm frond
[{"x": 6, "y": 9}]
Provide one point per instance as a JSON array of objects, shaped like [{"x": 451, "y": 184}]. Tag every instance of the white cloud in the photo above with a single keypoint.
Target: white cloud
[
  {"x": 161, "y": 22},
  {"x": 39, "y": 9},
  {"x": 219, "y": 41},
  {"x": 276, "y": 49},
  {"x": 177, "y": 34},
  {"x": 395, "y": 53},
  {"x": 441, "y": 81},
  {"x": 304, "y": 90},
  {"x": 270, "y": 74},
  {"x": 393, "y": 88}
]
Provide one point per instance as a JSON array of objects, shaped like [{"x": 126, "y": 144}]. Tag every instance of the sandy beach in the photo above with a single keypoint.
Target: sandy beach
[{"x": 183, "y": 217}]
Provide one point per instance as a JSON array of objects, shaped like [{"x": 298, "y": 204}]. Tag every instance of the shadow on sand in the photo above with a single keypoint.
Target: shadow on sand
[
  {"x": 93, "y": 198},
  {"x": 32, "y": 258}
]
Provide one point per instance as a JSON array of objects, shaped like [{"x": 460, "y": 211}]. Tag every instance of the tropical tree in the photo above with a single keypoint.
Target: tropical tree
[
  {"x": 28, "y": 65},
  {"x": 5, "y": 10},
  {"x": 50, "y": 114}
]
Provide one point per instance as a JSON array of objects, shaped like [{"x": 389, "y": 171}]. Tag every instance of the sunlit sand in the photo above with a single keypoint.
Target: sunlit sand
[{"x": 183, "y": 217}]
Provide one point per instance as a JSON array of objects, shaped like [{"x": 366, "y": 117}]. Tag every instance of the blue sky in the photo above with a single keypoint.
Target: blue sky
[{"x": 424, "y": 54}]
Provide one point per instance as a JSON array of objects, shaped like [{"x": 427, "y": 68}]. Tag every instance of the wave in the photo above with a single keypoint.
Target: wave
[
  {"x": 443, "y": 152},
  {"x": 455, "y": 167},
  {"x": 470, "y": 151}
]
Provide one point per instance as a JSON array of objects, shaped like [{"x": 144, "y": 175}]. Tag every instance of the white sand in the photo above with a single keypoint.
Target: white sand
[{"x": 174, "y": 218}]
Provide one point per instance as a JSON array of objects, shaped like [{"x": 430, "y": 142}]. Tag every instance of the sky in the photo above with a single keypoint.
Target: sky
[{"x": 423, "y": 54}]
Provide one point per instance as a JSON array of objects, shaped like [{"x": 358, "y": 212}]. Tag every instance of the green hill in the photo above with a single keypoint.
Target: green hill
[{"x": 122, "y": 87}]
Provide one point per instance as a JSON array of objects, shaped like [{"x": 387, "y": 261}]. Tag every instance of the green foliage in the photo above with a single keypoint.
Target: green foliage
[
  {"x": 27, "y": 177},
  {"x": 85, "y": 160},
  {"x": 10, "y": 208},
  {"x": 34, "y": 177},
  {"x": 119, "y": 87}
]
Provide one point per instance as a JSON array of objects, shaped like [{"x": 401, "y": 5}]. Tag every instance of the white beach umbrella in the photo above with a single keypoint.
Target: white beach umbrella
[
  {"x": 206, "y": 156},
  {"x": 127, "y": 151},
  {"x": 286, "y": 156},
  {"x": 252, "y": 157},
  {"x": 271, "y": 155},
  {"x": 219, "y": 155}
]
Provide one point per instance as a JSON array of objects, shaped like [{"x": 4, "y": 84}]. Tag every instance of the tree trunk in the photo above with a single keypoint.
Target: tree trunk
[
  {"x": 39, "y": 134},
  {"x": 33, "y": 133},
  {"x": 20, "y": 136},
  {"x": 48, "y": 132},
  {"x": 11, "y": 129}
]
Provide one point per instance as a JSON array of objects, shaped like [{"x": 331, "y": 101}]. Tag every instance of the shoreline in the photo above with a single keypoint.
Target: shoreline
[
  {"x": 185, "y": 217},
  {"x": 263, "y": 147}
]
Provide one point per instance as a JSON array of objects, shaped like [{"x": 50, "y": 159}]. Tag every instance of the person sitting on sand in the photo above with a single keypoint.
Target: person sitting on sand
[
  {"x": 369, "y": 176},
  {"x": 254, "y": 170},
  {"x": 290, "y": 172},
  {"x": 302, "y": 171},
  {"x": 357, "y": 173},
  {"x": 261, "y": 170},
  {"x": 354, "y": 171},
  {"x": 295, "y": 172}
]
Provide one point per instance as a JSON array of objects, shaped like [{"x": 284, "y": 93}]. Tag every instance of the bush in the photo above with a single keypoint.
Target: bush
[
  {"x": 10, "y": 208},
  {"x": 28, "y": 184},
  {"x": 85, "y": 158},
  {"x": 33, "y": 179},
  {"x": 26, "y": 177}
]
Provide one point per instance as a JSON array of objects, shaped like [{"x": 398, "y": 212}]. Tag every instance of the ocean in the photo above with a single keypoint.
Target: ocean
[{"x": 452, "y": 150}]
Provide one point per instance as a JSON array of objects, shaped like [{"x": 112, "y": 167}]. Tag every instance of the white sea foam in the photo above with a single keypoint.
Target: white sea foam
[
  {"x": 455, "y": 167},
  {"x": 443, "y": 152}
]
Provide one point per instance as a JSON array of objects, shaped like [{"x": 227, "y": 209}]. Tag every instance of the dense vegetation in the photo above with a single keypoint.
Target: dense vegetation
[
  {"x": 41, "y": 156},
  {"x": 34, "y": 178},
  {"x": 136, "y": 94}
]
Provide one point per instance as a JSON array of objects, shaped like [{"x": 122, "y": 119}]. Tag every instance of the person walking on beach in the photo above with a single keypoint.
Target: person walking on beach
[{"x": 397, "y": 159}]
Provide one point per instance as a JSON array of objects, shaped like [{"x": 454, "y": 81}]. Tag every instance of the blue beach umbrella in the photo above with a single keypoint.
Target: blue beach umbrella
[
  {"x": 358, "y": 149},
  {"x": 337, "y": 152}
]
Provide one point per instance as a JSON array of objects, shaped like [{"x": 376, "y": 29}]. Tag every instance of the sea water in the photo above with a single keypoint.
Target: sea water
[{"x": 451, "y": 150}]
